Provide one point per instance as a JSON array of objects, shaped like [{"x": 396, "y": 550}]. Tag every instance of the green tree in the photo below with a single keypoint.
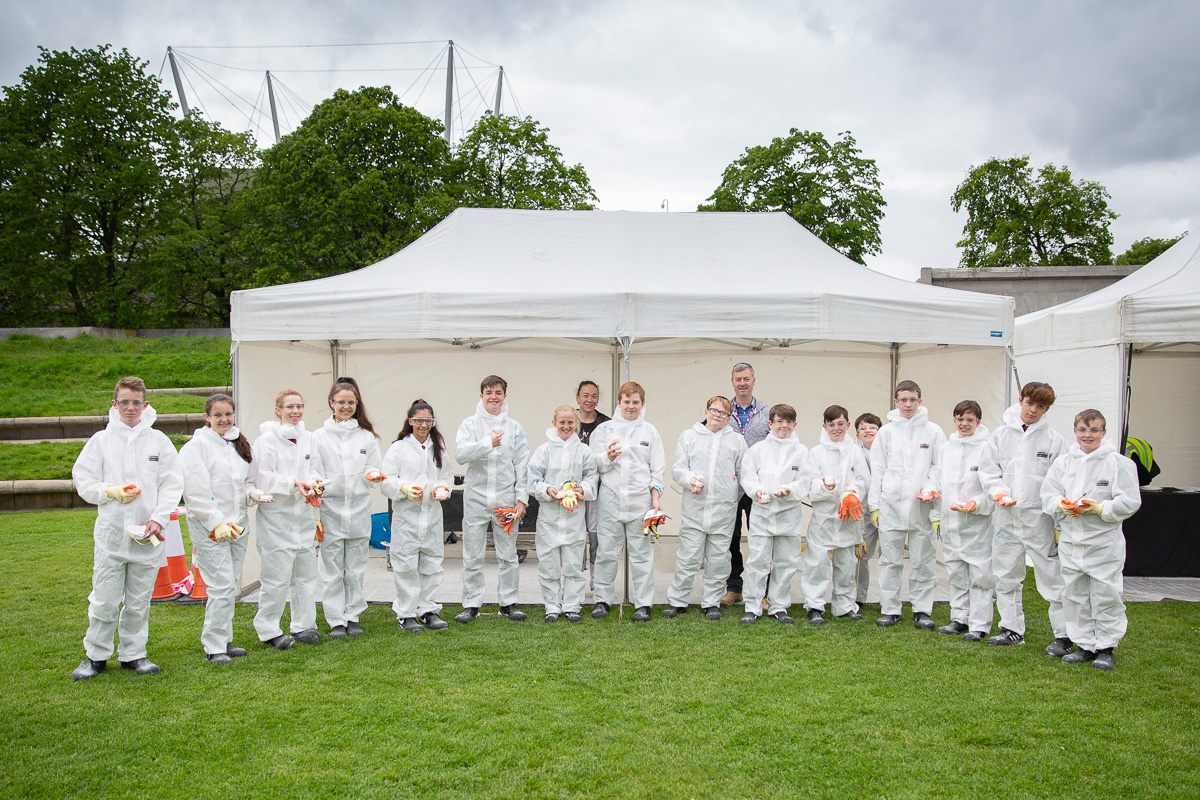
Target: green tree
[
  {"x": 1143, "y": 251},
  {"x": 828, "y": 187},
  {"x": 1015, "y": 219},
  {"x": 195, "y": 263},
  {"x": 87, "y": 136},
  {"x": 508, "y": 162},
  {"x": 361, "y": 177}
]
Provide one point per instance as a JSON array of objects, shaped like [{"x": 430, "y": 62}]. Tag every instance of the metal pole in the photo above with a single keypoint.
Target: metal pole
[
  {"x": 895, "y": 357},
  {"x": 499, "y": 88},
  {"x": 178, "y": 81},
  {"x": 449, "y": 88},
  {"x": 274, "y": 115}
]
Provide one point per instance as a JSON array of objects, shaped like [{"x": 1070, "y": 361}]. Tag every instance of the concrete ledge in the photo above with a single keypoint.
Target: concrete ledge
[
  {"x": 17, "y": 428},
  {"x": 201, "y": 391},
  {"x": 39, "y": 496}
]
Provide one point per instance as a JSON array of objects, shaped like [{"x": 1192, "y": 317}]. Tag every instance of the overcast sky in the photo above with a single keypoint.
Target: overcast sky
[{"x": 655, "y": 99}]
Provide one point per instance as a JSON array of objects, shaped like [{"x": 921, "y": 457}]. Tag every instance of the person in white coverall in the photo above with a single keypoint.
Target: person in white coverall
[
  {"x": 867, "y": 428},
  {"x": 131, "y": 473},
  {"x": 218, "y": 477},
  {"x": 964, "y": 515},
  {"x": 708, "y": 462},
  {"x": 419, "y": 479},
  {"x": 562, "y": 521},
  {"x": 904, "y": 476},
  {"x": 839, "y": 480},
  {"x": 629, "y": 453},
  {"x": 348, "y": 449},
  {"x": 495, "y": 450},
  {"x": 289, "y": 469},
  {"x": 1019, "y": 455},
  {"x": 1089, "y": 491},
  {"x": 775, "y": 475}
]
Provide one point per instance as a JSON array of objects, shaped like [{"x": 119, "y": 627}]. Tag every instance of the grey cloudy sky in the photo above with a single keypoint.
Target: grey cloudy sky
[{"x": 656, "y": 98}]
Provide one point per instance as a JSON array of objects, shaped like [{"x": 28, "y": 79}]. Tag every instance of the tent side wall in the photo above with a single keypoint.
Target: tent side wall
[
  {"x": 1084, "y": 377},
  {"x": 949, "y": 374},
  {"x": 1164, "y": 409}
]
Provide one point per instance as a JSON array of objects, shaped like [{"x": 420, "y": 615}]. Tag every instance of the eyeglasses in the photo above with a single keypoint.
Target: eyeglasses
[
  {"x": 293, "y": 407},
  {"x": 421, "y": 421},
  {"x": 222, "y": 415},
  {"x": 131, "y": 403},
  {"x": 345, "y": 402},
  {"x": 839, "y": 424},
  {"x": 783, "y": 422},
  {"x": 1089, "y": 430},
  {"x": 719, "y": 413},
  {"x": 965, "y": 419}
]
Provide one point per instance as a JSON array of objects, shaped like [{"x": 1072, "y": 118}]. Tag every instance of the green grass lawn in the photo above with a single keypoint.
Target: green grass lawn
[
  {"x": 670, "y": 709},
  {"x": 37, "y": 461},
  {"x": 75, "y": 377}
]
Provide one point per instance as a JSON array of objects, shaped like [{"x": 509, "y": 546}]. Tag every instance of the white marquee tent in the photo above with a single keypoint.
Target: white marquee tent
[
  {"x": 1132, "y": 351},
  {"x": 548, "y": 298}
]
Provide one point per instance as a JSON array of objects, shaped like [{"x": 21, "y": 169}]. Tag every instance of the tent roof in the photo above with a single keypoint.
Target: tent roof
[
  {"x": 497, "y": 272},
  {"x": 1158, "y": 303}
]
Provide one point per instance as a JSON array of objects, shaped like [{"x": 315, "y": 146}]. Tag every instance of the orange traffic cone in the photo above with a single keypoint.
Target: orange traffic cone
[{"x": 173, "y": 572}]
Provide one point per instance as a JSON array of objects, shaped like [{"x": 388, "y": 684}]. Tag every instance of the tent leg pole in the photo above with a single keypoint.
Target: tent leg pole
[
  {"x": 1127, "y": 391},
  {"x": 894, "y": 352}
]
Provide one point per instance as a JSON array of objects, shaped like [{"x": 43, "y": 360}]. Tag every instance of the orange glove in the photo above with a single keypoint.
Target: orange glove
[
  {"x": 860, "y": 550},
  {"x": 652, "y": 520},
  {"x": 320, "y": 531},
  {"x": 373, "y": 476},
  {"x": 1087, "y": 506},
  {"x": 313, "y": 499},
  {"x": 1069, "y": 507},
  {"x": 507, "y": 517},
  {"x": 123, "y": 494},
  {"x": 928, "y": 497},
  {"x": 966, "y": 507},
  {"x": 851, "y": 507},
  {"x": 570, "y": 496},
  {"x": 1003, "y": 499}
]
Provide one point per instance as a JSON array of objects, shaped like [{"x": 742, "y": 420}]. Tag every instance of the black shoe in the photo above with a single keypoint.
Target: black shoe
[
  {"x": 431, "y": 620},
  {"x": 749, "y": 618},
  {"x": 218, "y": 658},
  {"x": 815, "y": 617},
  {"x": 854, "y": 615},
  {"x": 974, "y": 636},
  {"x": 466, "y": 615},
  {"x": 411, "y": 625},
  {"x": 922, "y": 621},
  {"x": 1080, "y": 656},
  {"x": 513, "y": 613},
  {"x": 953, "y": 629},
  {"x": 642, "y": 614},
  {"x": 353, "y": 629},
  {"x": 1060, "y": 647},
  {"x": 600, "y": 611},
  {"x": 1105, "y": 660},
  {"x": 338, "y": 632},
  {"x": 307, "y": 637},
  {"x": 670, "y": 612},
  {"x": 551, "y": 617},
  {"x": 781, "y": 616},
  {"x": 281, "y": 642},
  {"x": 88, "y": 669},
  {"x": 887, "y": 620},
  {"x": 1006, "y": 638},
  {"x": 713, "y": 613},
  {"x": 233, "y": 651},
  {"x": 141, "y": 666},
  {"x": 573, "y": 616}
]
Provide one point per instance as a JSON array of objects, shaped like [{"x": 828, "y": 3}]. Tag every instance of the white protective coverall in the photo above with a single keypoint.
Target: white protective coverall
[
  {"x": 624, "y": 500},
  {"x": 904, "y": 464},
  {"x": 706, "y": 527},
  {"x": 870, "y": 536},
  {"x": 831, "y": 541},
  {"x": 562, "y": 534},
  {"x": 346, "y": 452},
  {"x": 1091, "y": 550},
  {"x": 496, "y": 477},
  {"x": 216, "y": 484},
  {"x": 775, "y": 526},
  {"x": 1016, "y": 463},
  {"x": 418, "y": 542},
  {"x": 123, "y": 571},
  {"x": 286, "y": 529},
  {"x": 966, "y": 535}
]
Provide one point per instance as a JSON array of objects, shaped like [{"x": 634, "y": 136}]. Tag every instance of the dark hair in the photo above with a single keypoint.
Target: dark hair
[
  {"x": 834, "y": 413},
  {"x": 493, "y": 380},
  {"x": 907, "y": 386},
  {"x": 1040, "y": 393},
  {"x": 241, "y": 444},
  {"x": 968, "y": 405},
  {"x": 783, "y": 413},
  {"x": 360, "y": 411},
  {"x": 439, "y": 445},
  {"x": 869, "y": 418},
  {"x": 586, "y": 383}
]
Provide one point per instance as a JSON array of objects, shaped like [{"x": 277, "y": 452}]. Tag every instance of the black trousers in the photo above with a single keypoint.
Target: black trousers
[{"x": 734, "y": 583}]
